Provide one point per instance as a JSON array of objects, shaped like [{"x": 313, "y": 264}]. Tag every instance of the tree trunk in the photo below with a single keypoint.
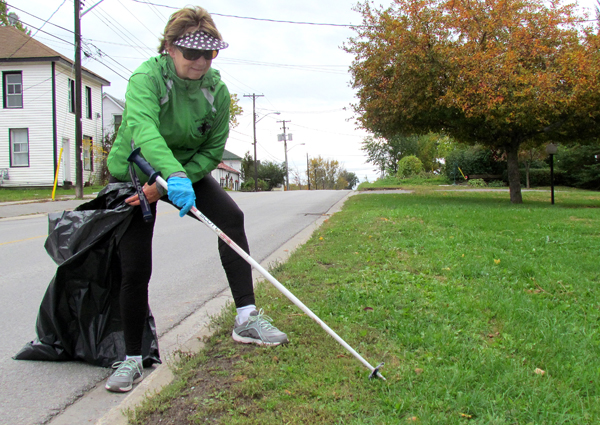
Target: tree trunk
[{"x": 514, "y": 179}]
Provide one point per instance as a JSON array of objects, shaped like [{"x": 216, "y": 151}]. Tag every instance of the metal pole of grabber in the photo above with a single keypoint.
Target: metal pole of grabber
[{"x": 154, "y": 176}]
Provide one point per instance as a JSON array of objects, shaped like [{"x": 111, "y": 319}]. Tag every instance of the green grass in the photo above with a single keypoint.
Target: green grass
[
  {"x": 466, "y": 297},
  {"x": 19, "y": 194},
  {"x": 426, "y": 179}
]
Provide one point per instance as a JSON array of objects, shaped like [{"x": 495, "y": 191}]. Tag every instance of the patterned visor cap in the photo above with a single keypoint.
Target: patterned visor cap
[{"x": 200, "y": 40}]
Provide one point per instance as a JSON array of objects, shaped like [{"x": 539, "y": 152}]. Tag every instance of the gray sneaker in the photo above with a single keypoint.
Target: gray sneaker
[
  {"x": 258, "y": 330},
  {"x": 128, "y": 372}
]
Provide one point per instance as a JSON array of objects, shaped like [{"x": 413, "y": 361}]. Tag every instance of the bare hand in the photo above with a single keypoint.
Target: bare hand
[{"x": 151, "y": 192}]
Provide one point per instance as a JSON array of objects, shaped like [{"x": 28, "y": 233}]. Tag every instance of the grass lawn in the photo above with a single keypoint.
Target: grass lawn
[
  {"x": 45, "y": 193},
  {"x": 484, "y": 312}
]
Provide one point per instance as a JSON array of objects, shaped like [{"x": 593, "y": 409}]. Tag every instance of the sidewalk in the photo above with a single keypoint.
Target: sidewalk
[{"x": 40, "y": 206}]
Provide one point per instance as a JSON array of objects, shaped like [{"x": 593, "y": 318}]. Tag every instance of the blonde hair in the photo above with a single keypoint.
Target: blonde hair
[{"x": 184, "y": 20}]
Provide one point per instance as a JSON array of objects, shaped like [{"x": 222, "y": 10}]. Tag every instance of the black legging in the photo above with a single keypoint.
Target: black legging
[{"x": 135, "y": 253}]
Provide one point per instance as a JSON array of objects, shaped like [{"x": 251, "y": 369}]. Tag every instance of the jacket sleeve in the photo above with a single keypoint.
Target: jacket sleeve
[
  {"x": 209, "y": 155},
  {"x": 143, "y": 109}
]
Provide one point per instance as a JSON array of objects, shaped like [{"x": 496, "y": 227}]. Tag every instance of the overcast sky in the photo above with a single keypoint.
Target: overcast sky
[{"x": 300, "y": 69}]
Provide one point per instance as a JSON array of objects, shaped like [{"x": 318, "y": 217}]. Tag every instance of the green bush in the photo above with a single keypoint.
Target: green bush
[
  {"x": 539, "y": 177},
  {"x": 477, "y": 183},
  {"x": 409, "y": 166},
  {"x": 472, "y": 160},
  {"x": 496, "y": 183},
  {"x": 580, "y": 165},
  {"x": 248, "y": 185}
]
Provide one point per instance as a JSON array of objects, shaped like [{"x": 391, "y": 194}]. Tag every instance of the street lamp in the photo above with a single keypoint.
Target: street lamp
[
  {"x": 255, "y": 161},
  {"x": 551, "y": 150}
]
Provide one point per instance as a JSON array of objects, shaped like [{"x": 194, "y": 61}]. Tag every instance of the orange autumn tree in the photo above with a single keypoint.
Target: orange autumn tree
[{"x": 493, "y": 72}]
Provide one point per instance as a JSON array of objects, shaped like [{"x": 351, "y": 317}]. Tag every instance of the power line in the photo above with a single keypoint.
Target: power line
[
  {"x": 328, "y": 111},
  {"x": 37, "y": 30},
  {"x": 37, "y": 17},
  {"x": 47, "y": 33},
  {"x": 102, "y": 63},
  {"x": 315, "y": 68},
  {"x": 121, "y": 33},
  {"x": 104, "y": 55},
  {"x": 330, "y": 132},
  {"x": 259, "y": 19},
  {"x": 137, "y": 19},
  {"x": 70, "y": 43},
  {"x": 155, "y": 11}
]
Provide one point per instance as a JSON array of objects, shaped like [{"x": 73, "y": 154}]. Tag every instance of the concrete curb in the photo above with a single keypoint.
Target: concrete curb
[{"x": 194, "y": 328}]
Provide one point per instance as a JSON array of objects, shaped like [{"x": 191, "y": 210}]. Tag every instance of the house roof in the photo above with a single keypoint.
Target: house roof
[
  {"x": 120, "y": 103},
  {"x": 16, "y": 46},
  {"x": 228, "y": 156},
  {"x": 227, "y": 168}
]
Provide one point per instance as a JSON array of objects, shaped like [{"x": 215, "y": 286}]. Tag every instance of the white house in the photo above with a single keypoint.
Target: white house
[
  {"x": 37, "y": 119},
  {"x": 228, "y": 172},
  {"x": 112, "y": 113}
]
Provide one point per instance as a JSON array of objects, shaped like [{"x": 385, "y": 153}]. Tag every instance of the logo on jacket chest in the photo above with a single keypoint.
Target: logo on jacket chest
[{"x": 204, "y": 126}]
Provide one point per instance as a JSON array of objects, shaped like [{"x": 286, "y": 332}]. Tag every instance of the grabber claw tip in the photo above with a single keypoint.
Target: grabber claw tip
[{"x": 375, "y": 373}]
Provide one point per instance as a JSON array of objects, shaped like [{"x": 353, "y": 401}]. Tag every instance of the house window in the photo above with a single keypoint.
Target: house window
[
  {"x": 19, "y": 147},
  {"x": 118, "y": 119},
  {"x": 88, "y": 102},
  {"x": 88, "y": 153},
  {"x": 71, "y": 96},
  {"x": 13, "y": 89}
]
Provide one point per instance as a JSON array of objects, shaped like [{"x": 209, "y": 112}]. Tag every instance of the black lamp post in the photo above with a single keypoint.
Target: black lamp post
[{"x": 551, "y": 150}]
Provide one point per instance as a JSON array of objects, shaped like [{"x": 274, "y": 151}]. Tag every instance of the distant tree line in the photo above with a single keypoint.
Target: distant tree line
[{"x": 322, "y": 174}]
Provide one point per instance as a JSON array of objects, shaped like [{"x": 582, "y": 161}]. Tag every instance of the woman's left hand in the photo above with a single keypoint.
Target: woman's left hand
[{"x": 151, "y": 192}]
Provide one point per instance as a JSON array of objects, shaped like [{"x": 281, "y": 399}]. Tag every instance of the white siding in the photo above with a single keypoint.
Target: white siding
[
  {"x": 36, "y": 115},
  {"x": 235, "y": 164},
  {"x": 65, "y": 120},
  {"x": 110, "y": 110}
]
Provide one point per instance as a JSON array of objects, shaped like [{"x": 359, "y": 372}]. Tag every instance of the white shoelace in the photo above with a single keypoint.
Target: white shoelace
[
  {"x": 125, "y": 367},
  {"x": 262, "y": 320}
]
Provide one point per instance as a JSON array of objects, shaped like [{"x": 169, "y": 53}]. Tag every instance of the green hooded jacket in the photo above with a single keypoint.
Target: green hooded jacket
[{"x": 180, "y": 125}]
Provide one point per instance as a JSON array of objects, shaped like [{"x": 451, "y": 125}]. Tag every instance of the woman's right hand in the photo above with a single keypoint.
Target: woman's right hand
[{"x": 150, "y": 191}]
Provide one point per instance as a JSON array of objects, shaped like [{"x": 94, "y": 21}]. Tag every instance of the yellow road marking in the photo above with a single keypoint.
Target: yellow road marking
[{"x": 23, "y": 240}]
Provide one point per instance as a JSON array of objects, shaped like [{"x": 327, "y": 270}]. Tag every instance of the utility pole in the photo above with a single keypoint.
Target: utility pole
[
  {"x": 78, "y": 112},
  {"x": 254, "y": 96},
  {"x": 287, "y": 173},
  {"x": 307, "y": 172}
]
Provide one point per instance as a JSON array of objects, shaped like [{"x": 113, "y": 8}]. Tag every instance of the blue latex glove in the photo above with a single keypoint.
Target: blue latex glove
[{"x": 181, "y": 194}]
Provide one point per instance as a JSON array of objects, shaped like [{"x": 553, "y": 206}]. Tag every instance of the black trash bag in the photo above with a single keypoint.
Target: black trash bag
[{"x": 79, "y": 317}]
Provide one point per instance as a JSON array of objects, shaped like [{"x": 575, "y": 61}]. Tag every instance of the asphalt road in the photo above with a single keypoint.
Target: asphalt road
[{"x": 186, "y": 274}]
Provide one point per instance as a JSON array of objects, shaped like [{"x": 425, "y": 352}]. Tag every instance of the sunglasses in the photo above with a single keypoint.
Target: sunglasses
[{"x": 193, "y": 54}]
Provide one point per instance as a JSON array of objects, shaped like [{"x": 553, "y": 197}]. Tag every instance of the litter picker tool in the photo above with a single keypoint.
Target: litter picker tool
[{"x": 154, "y": 176}]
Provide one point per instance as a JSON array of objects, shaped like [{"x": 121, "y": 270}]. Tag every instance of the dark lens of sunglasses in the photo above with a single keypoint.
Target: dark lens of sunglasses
[{"x": 192, "y": 54}]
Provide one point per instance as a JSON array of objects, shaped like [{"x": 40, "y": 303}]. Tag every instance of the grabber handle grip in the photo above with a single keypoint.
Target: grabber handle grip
[{"x": 146, "y": 168}]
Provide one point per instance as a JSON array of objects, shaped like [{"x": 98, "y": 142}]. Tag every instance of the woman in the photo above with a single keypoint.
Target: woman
[{"x": 177, "y": 112}]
